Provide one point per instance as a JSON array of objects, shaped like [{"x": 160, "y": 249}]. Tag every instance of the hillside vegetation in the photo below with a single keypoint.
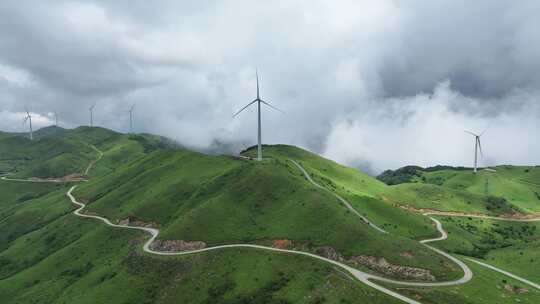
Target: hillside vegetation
[
  {"x": 241, "y": 201},
  {"x": 48, "y": 255},
  {"x": 501, "y": 190}
]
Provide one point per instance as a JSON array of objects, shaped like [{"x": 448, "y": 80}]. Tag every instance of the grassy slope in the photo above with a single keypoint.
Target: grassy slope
[
  {"x": 17, "y": 213},
  {"x": 486, "y": 287},
  {"x": 365, "y": 193},
  {"x": 464, "y": 191},
  {"x": 73, "y": 260},
  {"x": 221, "y": 200},
  {"x": 46, "y": 156},
  {"x": 47, "y": 255},
  {"x": 517, "y": 184},
  {"x": 57, "y": 152},
  {"x": 513, "y": 246}
]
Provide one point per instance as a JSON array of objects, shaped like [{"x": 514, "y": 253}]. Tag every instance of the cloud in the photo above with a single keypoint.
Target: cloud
[
  {"x": 338, "y": 69},
  {"x": 427, "y": 130}
]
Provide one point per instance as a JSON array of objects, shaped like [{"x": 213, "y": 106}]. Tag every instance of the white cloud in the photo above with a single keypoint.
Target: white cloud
[
  {"x": 424, "y": 130},
  {"x": 361, "y": 81}
]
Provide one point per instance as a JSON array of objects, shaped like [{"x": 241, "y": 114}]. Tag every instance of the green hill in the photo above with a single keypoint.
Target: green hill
[
  {"x": 499, "y": 190},
  {"x": 240, "y": 201},
  {"x": 48, "y": 255},
  {"x": 57, "y": 152}
]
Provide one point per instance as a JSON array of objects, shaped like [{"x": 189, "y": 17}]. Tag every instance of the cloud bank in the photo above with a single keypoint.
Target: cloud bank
[{"x": 373, "y": 84}]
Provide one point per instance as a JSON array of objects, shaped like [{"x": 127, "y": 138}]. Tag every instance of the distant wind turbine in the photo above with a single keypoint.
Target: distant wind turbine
[
  {"x": 29, "y": 119},
  {"x": 258, "y": 100},
  {"x": 477, "y": 147},
  {"x": 131, "y": 118},
  {"x": 56, "y": 119},
  {"x": 91, "y": 109}
]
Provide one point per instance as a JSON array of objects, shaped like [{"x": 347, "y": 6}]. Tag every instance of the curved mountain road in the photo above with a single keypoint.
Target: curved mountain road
[
  {"x": 342, "y": 200},
  {"x": 360, "y": 275}
]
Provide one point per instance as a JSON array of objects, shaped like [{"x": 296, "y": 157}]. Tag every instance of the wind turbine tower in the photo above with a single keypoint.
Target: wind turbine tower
[
  {"x": 477, "y": 147},
  {"x": 91, "y": 109},
  {"x": 131, "y": 118},
  {"x": 55, "y": 119},
  {"x": 29, "y": 119},
  {"x": 258, "y": 100}
]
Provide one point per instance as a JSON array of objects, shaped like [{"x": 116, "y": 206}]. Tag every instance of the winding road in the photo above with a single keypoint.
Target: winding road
[
  {"x": 364, "y": 277},
  {"x": 341, "y": 199}
]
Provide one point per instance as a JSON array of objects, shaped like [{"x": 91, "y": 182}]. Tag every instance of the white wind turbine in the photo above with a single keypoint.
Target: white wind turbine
[
  {"x": 131, "y": 118},
  {"x": 55, "y": 119},
  {"x": 91, "y": 109},
  {"x": 258, "y": 100},
  {"x": 28, "y": 118},
  {"x": 477, "y": 147}
]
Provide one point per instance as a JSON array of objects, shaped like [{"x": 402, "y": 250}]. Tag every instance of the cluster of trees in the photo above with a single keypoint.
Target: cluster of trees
[
  {"x": 499, "y": 205},
  {"x": 408, "y": 174},
  {"x": 401, "y": 175}
]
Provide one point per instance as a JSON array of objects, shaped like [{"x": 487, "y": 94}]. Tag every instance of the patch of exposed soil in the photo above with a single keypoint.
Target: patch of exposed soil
[
  {"x": 407, "y": 254},
  {"x": 378, "y": 264},
  {"x": 133, "y": 221},
  {"x": 330, "y": 253},
  {"x": 515, "y": 289},
  {"x": 282, "y": 243},
  {"x": 176, "y": 245},
  {"x": 381, "y": 265}
]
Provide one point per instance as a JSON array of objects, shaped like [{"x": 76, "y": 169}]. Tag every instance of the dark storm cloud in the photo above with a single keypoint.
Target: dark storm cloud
[
  {"x": 359, "y": 80},
  {"x": 485, "y": 48}
]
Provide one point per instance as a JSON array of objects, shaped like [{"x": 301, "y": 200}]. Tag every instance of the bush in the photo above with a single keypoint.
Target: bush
[{"x": 400, "y": 176}]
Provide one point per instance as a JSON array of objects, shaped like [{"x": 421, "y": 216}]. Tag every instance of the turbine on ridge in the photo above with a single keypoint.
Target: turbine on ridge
[
  {"x": 28, "y": 118},
  {"x": 131, "y": 118},
  {"x": 91, "y": 109},
  {"x": 258, "y": 100},
  {"x": 477, "y": 147}
]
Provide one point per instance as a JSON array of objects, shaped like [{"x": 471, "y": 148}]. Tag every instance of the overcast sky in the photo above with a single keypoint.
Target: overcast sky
[{"x": 373, "y": 84}]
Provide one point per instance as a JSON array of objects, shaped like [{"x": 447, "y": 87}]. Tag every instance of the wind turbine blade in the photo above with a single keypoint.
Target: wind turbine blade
[
  {"x": 484, "y": 131},
  {"x": 480, "y": 147},
  {"x": 257, "y": 75},
  {"x": 271, "y": 106},
  {"x": 25, "y": 119},
  {"x": 26, "y": 109},
  {"x": 470, "y": 133},
  {"x": 242, "y": 109}
]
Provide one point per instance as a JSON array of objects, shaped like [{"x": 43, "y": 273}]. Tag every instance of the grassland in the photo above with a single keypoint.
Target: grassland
[
  {"x": 486, "y": 287},
  {"x": 365, "y": 193},
  {"x": 63, "y": 259},
  {"x": 244, "y": 202},
  {"x": 47, "y": 255},
  {"x": 499, "y": 190},
  {"x": 512, "y": 246}
]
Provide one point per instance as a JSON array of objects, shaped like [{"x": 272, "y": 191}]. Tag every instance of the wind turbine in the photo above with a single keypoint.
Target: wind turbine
[
  {"x": 91, "y": 109},
  {"x": 258, "y": 100},
  {"x": 29, "y": 119},
  {"x": 131, "y": 118},
  {"x": 477, "y": 147},
  {"x": 55, "y": 119}
]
